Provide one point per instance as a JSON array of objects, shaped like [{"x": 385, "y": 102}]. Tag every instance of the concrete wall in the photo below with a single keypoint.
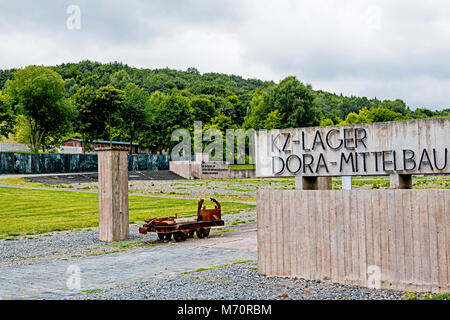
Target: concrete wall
[
  {"x": 398, "y": 147},
  {"x": 181, "y": 168},
  {"x": 393, "y": 239},
  {"x": 208, "y": 170},
  {"x": 211, "y": 170},
  {"x": 242, "y": 173}
]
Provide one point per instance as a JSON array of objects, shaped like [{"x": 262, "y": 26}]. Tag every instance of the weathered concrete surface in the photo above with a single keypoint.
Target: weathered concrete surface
[
  {"x": 399, "y": 147},
  {"x": 242, "y": 173},
  {"x": 389, "y": 239},
  {"x": 49, "y": 280},
  {"x": 243, "y": 237},
  {"x": 181, "y": 168},
  {"x": 208, "y": 170}
]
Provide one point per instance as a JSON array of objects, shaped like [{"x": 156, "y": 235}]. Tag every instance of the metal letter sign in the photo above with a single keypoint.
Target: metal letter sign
[{"x": 400, "y": 147}]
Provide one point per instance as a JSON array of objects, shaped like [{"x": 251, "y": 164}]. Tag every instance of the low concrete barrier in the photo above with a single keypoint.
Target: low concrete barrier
[
  {"x": 242, "y": 173},
  {"x": 390, "y": 239},
  {"x": 208, "y": 170}
]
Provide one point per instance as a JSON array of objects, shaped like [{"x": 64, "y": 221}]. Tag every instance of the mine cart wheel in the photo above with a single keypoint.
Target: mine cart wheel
[
  {"x": 190, "y": 234},
  {"x": 165, "y": 236},
  {"x": 179, "y": 236},
  {"x": 199, "y": 233},
  {"x": 202, "y": 233}
]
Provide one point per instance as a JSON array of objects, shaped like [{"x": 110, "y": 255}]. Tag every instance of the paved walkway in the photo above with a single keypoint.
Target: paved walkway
[
  {"x": 242, "y": 238},
  {"x": 49, "y": 280}
]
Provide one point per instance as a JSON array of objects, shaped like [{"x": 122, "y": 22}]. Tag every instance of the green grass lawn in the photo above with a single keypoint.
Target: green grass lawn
[
  {"x": 242, "y": 167},
  {"x": 27, "y": 211}
]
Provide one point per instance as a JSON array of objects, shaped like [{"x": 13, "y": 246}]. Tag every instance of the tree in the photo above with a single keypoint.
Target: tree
[
  {"x": 6, "y": 117},
  {"x": 326, "y": 122},
  {"x": 120, "y": 79},
  {"x": 221, "y": 123},
  {"x": 238, "y": 113},
  {"x": 222, "y": 105},
  {"x": 352, "y": 118},
  {"x": 398, "y": 106},
  {"x": 274, "y": 120},
  {"x": 38, "y": 94},
  {"x": 257, "y": 111},
  {"x": 89, "y": 123},
  {"x": 166, "y": 113},
  {"x": 295, "y": 101},
  {"x": 108, "y": 103},
  {"x": 365, "y": 116},
  {"x": 330, "y": 119},
  {"x": 202, "y": 109},
  {"x": 133, "y": 111},
  {"x": 383, "y": 114}
]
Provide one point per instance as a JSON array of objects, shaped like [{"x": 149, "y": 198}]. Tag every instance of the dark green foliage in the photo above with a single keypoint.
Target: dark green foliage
[
  {"x": 202, "y": 109},
  {"x": 166, "y": 113},
  {"x": 133, "y": 112},
  {"x": 6, "y": 117},
  {"x": 38, "y": 94},
  {"x": 295, "y": 101},
  {"x": 108, "y": 104},
  {"x": 88, "y": 123},
  {"x": 116, "y": 101}
]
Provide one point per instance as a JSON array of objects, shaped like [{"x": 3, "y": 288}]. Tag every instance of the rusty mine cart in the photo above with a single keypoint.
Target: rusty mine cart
[{"x": 166, "y": 227}]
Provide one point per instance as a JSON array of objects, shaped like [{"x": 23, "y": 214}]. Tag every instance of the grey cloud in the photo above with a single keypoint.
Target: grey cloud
[
  {"x": 118, "y": 21},
  {"x": 404, "y": 53}
]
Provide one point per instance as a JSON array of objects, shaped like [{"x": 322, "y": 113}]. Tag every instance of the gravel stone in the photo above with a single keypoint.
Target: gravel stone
[
  {"x": 236, "y": 282},
  {"x": 59, "y": 245}
]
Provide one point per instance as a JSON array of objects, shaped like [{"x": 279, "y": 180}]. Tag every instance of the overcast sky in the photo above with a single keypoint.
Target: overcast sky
[{"x": 380, "y": 48}]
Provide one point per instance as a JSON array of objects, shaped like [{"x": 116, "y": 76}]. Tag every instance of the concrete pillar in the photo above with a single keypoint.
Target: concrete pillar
[
  {"x": 401, "y": 181},
  {"x": 347, "y": 183},
  {"x": 113, "y": 194},
  {"x": 313, "y": 183}
]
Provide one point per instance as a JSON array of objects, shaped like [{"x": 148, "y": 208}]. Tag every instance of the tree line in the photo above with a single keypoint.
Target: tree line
[{"x": 44, "y": 106}]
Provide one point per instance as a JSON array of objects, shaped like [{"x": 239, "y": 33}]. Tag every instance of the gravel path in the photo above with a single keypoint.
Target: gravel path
[
  {"x": 53, "y": 280},
  {"x": 236, "y": 281},
  {"x": 144, "y": 268},
  {"x": 74, "y": 244},
  {"x": 60, "y": 246}
]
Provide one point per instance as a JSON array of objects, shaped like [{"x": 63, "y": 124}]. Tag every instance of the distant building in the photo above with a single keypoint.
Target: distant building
[{"x": 103, "y": 144}]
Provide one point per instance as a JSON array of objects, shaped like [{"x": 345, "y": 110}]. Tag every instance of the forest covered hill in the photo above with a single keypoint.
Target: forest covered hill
[{"x": 114, "y": 100}]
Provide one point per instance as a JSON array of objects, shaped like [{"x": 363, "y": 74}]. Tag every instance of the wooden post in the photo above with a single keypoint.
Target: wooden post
[
  {"x": 313, "y": 183},
  {"x": 113, "y": 194},
  {"x": 401, "y": 181}
]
